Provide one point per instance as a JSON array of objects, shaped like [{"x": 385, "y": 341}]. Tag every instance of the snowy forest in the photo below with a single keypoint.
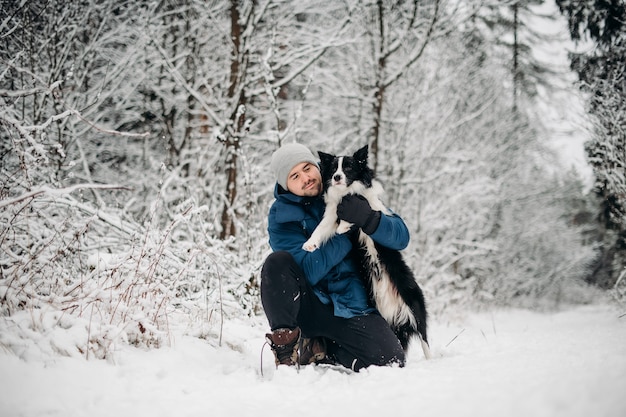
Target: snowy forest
[{"x": 135, "y": 139}]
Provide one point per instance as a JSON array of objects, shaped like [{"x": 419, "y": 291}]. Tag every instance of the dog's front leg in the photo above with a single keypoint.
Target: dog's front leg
[{"x": 324, "y": 231}]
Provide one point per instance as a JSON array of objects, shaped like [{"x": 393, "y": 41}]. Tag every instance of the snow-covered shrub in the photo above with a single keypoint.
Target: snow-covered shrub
[{"x": 69, "y": 264}]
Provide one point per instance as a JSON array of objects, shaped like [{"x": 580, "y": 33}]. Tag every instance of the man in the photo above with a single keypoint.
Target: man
[{"x": 316, "y": 302}]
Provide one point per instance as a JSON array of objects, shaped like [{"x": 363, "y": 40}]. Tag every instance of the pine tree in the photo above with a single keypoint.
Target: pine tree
[
  {"x": 508, "y": 27},
  {"x": 602, "y": 75}
]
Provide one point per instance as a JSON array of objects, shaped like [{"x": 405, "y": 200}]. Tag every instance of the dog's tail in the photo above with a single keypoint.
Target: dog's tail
[
  {"x": 418, "y": 307},
  {"x": 425, "y": 348},
  {"x": 411, "y": 294}
]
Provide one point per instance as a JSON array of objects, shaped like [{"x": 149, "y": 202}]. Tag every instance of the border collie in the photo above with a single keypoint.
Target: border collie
[{"x": 392, "y": 285}]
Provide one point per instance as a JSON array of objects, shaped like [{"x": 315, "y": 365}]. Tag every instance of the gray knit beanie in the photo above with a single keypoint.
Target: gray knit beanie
[{"x": 286, "y": 157}]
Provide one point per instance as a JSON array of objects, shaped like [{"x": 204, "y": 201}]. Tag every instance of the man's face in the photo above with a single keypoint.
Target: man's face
[{"x": 305, "y": 180}]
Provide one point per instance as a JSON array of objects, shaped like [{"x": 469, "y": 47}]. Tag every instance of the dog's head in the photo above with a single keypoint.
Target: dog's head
[{"x": 342, "y": 171}]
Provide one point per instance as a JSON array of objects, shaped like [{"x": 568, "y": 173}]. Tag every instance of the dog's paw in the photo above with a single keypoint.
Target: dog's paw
[
  {"x": 309, "y": 246},
  {"x": 343, "y": 227}
]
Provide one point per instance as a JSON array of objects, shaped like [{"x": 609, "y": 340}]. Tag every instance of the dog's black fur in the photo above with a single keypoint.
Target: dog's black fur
[{"x": 377, "y": 262}]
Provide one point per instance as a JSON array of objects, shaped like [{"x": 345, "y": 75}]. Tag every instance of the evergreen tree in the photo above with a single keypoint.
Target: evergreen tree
[
  {"x": 510, "y": 28},
  {"x": 602, "y": 75}
]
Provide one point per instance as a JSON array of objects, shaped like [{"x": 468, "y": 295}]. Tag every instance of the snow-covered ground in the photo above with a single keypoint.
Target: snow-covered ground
[{"x": 504, "y": 363}]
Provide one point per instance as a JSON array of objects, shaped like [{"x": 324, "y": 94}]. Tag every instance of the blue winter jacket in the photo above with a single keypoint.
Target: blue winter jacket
[{"x": 332, "y": 274}]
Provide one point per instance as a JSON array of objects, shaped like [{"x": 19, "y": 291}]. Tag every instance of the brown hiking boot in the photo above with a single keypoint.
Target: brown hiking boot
[
  {"x": 284, "y": 344},
  {"x": 312, "y": 350},
  {"x": 291, "y": 349}
]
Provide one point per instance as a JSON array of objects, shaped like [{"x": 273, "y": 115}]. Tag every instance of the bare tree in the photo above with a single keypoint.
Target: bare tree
[
  {"x": 402, "y": 31},
  {"x": 267, "y": 55}
]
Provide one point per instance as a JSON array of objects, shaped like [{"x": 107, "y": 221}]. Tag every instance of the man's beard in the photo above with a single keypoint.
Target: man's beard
[{"x": 314, "y": 191}]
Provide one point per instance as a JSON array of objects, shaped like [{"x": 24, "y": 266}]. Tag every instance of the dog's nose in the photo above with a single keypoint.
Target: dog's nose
[{"x": 337, "y": 177}]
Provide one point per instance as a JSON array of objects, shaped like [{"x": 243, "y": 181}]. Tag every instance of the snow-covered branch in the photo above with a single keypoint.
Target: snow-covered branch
[{"x": 57, "y": 192}]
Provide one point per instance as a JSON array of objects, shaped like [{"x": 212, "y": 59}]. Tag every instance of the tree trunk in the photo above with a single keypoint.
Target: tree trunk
[
  {"x": 238, "y": 119},
  {"x": 515, "y": 56},
  {"x": 379, "y": 97}
]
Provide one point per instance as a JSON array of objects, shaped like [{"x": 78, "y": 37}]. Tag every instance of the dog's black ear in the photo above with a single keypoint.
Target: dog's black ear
[
  {"x": 361, "y": 155},
  {"x": 325, "y": 158}
]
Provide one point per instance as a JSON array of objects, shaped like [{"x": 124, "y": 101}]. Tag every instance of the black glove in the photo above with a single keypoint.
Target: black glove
[{"x": 355, "y": 209}]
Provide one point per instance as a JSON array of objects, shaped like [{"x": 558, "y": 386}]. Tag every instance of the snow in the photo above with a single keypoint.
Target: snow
[{"x": 502, "y": 363}]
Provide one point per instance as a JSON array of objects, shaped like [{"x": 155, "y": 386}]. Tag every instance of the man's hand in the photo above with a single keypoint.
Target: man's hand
[{"x": 355, "y": 209}]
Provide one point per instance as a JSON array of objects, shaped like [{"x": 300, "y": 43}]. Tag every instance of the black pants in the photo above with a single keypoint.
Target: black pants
[{"x": 289, "y": 302}]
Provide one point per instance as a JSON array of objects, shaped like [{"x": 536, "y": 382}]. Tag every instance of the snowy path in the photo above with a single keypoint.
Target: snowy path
[{"x": 511, "y": 363}]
